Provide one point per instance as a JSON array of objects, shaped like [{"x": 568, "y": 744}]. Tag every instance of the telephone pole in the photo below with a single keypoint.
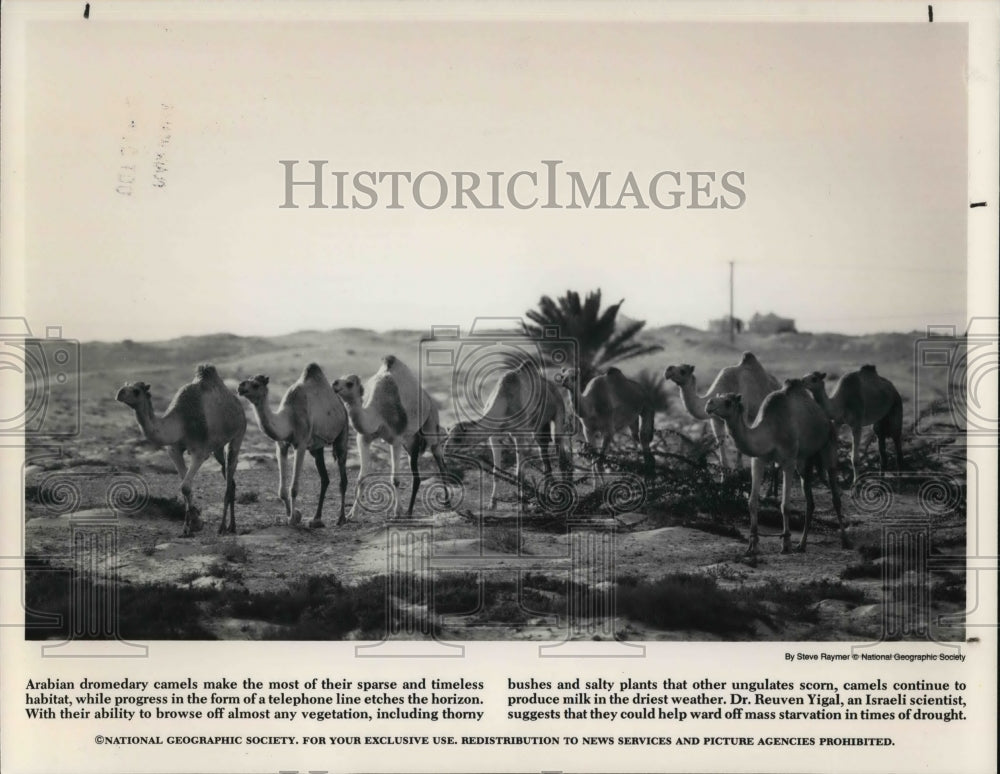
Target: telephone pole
[{"x": 732, "y": 322}]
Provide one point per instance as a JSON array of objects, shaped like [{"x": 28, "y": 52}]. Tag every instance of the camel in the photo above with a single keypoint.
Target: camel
[
  {"x": 203, "y": 418},
  {"x": 398, "y": 411},
  {"x": 309, "y": 418},
  {"x": 609, "y": 403},
  {"x": 523, "y": 402},
  {"x": 862, "y": 398},
  {"x": 792, "y": 431},
  {"x": 748, "y": 379}
]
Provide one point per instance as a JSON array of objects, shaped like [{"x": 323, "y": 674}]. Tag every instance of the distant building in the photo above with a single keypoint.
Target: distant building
[
  {"x": 771, "y": 323},
  {"x": 722, "y": 325}
]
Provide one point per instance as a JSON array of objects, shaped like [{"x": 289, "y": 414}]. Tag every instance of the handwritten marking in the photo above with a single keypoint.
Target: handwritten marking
[
  {"x": 127, "y": 150},
  {"x": 160, "y": 167}
]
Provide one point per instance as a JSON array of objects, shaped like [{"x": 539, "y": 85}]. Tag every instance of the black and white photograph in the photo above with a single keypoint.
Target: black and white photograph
[{"x": 657, "y": 342}]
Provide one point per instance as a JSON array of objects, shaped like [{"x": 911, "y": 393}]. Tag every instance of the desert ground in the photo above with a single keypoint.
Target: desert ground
[{"x": 678, "y": 569}]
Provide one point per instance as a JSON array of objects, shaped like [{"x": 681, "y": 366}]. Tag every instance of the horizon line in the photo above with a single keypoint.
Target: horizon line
[{"x": 428, "y": 333}]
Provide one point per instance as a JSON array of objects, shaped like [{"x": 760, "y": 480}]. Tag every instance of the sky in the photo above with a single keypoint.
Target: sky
[{"x": 851, "y": 140}]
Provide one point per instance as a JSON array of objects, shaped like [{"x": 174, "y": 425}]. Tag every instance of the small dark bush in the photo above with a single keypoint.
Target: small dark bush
[{"x": 684, "y": 601}]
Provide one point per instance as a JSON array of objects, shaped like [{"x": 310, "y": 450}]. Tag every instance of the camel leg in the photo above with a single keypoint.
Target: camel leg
[
  {"x": 719, "y": 431},
  {"x": 890, "y": 426},
  {"x": 564, "y": 450},
  {"x": 324, "y": 482},
  {"x": 518, "y": 473},
  {"x": 646, "y": 429},
  {"x": 340, "y": 451},
  {"x": 281, "y": 452},
  {"x": 300, "y": 458},
  {"x": 855, "y": 452},
  {"x": 829, "y": 460},
  {"x": 775, "y": 476},
  {"x": 229, "y": 502},
  {"x": 883, "y": 459},
  {"x": 788, "y": 471},
  {"x": 177, "y": 457},
  {"x": 438, "y": 454},
  {"x": 192, "y": 523},
  {"x": 543, "y": 438},
  {"x": 496, "y": 452},
  {"x": 894, "y": 425},
  {"x": 415, "y": 450},
  {"x": 601, "y": 456},
  {"x": 364, "y": 452},
  {"x": 642, "y": 433},
  {"x": 806, "y": 479},
  {"x": 757, "y": 466},
  {"x": 395, "y": 457}
]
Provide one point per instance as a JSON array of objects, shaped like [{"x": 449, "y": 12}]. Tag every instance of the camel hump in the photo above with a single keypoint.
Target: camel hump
[
  {"x": 390, "y": 405},
  {"x": 600, "y": 396},
  {"x": 189, "y": 404},
  {"x": 313, "y": 371},
  {"x": 510, "y": 380},
  {"x": 868, "y": 368},
  {"x": 399, "y": 370},
  {"x": 624, "y": 389},
  {"x": 509, "y": 389},
  {"x": 750, "y": 362},
  {"x": 207, "y": 373}
]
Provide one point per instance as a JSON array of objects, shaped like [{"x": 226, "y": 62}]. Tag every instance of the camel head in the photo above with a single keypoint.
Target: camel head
[
  {"x": 349, "y": 388},
  {"x": 254, "y": 389},
  {"x": 814, "y": 382},
  {"x": 134, "y": 394},
  {"x": 568, "y": 378},
  {"x": 680, "y": 375},
  {"x": 794, "y": 385},
  {"x": 727, "y": 406},
  {"x": 460, "y": 436}
]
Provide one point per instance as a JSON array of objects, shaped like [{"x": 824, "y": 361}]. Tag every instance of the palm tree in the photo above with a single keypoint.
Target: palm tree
[
  {"x": 599, "y": 341},
  {"x": 655, "y": 387}
]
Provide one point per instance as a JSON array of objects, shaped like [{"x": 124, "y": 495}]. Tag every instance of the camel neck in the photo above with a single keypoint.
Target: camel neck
[
  {"x": 574, "y": 399},
  {"x": 752, "y": 441},
  {"x": 273, "y": 425},
  {"x": 693, "y": 402},
  {"x": 363, "y": 422},
  {"x": 160, "y": 430},
  {"x": 832, "y": 406}
]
